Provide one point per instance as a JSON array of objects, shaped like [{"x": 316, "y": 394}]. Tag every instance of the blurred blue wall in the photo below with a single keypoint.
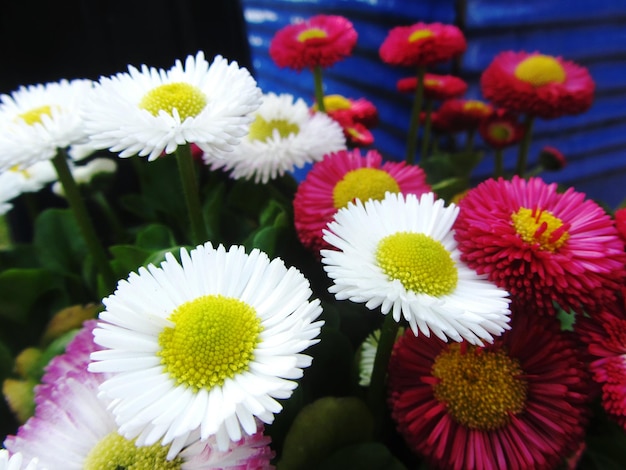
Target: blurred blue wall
[{"x": 592, "y": 34}]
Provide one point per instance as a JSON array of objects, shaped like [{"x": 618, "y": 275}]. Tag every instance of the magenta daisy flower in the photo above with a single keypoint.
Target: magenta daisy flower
[
  {"x": 605, "y": 336},
  {"x": 341, "y": 178},
  {"x": 436, "y": 87},
  {"x": 462, "y": 115},
  {"x": 537, "y": 84},
  {"x": 543, "y": 246},
  {"x": 519, "y": 403},
  {"x": 422, "y": 44},
  {"x": 355, "y": 117},
  {"x": 501, "y": 129},
  {"x": 321, "y": 41}
]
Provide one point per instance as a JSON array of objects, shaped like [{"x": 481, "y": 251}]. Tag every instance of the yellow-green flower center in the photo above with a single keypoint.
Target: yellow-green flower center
[
  {"x": 33, "y": 116},
  {"x": 213, "y": 339},
  {"x": 481, "y": 389},
  {"x": 432, "y": 83},
  {"x": 500, "y": 131},
  {"x": 420, "y": 263},
  {"x": 114, "y": 452},
  {"x": 475, "y": 105},
  {"x": 336, "y": 102},
  {"x": 540, "y": 70},
  {"x": 312, "y": 33},
  {"x": 420, "y": 34},
  {"x": 539, "y": 226},
  {"x": 262, "y": 130},
  {"x": 187, "y": 99},
  {"x": 363, "y": 184}
]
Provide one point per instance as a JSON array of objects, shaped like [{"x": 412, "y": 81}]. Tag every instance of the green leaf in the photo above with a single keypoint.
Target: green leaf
[
  {"x": 20, "y": 290},
  {"x": 155, "y": 237},
  {"x": 322, "y": 428},
  {"x": 370, "y": 455},
  {"x": 128, "y": 258}
]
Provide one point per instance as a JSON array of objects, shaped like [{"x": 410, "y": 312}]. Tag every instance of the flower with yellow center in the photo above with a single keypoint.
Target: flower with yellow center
[
  {"x": 283, "y": 136},
  {"x": 38, "y": 120},
  {"x": 399, "y": 254},
  {"x": 206, "y": 345},
  {"x": 148, "y": 112}
]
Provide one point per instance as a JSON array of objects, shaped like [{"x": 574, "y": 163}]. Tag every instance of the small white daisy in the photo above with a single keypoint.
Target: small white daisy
[
  {"x": 16, "y": 462},
  {"x": 399, "y": 254},
  {"x": 208, "y": 344},
  {"x": 367, "y": 356},
  {"x": 150, "y": 111},
  {"x": 37, "y": 120},
  {"x": 36, "y": 176},
  {"x": 11, "y": 183},
  {"x": 83, "y": 174},
  {"x": 283, "y": 136}
]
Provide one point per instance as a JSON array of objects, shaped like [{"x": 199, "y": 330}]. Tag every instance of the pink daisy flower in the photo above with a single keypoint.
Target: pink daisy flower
[
  {"x": 422, "y": 44},
  {"x": 543, "y": 246},
  {"x": 462, "y": 115},
  {"x": 537, "y": 84},
  {"x": 321, "y": 41},
  {"x": 519, "y": 403},
  {"x": 436, "y": 87},
  {"x": 355, "y": 117},
  {"x": 501, "y": 129},
  {"x": 620, "y": 222},
  {"x": 341, "y": 178}
]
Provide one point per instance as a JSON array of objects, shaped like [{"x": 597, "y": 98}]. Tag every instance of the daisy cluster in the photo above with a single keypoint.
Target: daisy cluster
[{"x": 231, "y": 316}]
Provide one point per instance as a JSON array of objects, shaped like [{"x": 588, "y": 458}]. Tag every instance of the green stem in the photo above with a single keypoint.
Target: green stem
[
  {"x": 378, "y": 383},
  {"x": 319, "y": 88},
  {"x": 411, "y": 142},
  {"x": 192, "y": 194},
  {"x": 499, "y": 164},
  {"x": 109, "y": 213},
  {"x": 427, "y": 126},
  {"x": 469, "y": 143},
  {"x": 522, "y": 157},
  {"x": 77, "y": 205}
]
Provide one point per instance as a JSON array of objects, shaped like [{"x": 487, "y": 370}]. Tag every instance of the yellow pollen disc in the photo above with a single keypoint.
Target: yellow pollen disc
[
  {"x": 363, "y": 184},
  {"x": 312, "y": 33},
  {"x": 540, "y": 70},
  {"x": 187, "y": 99},
  {"x": 475, "y": 105},
  {"x": 481, "y": 389},
  {"x": 419, "y": 262},
  {"x": 262, "y": 130},
  {"x": 336, "y": 102},
  {"x": 420, "y": 34},
  {"x": 213, "y": 339},
  {"x": 432, "y": 83},
  {"x": 539, "y": 226},
  {"x": 354, "y": 133},
  {"x": 113, "y": 452},
  {"x": 500, "y": 132},
  {"x": 33, "y": 116}
]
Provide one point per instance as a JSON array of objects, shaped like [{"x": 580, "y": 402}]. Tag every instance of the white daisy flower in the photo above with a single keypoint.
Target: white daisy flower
[
  {"x": 16, "y": 462},
  {"x": 210, "y": 343},
  {"x": 83, "y": 174},
  {"x": 283, "y": 136},
  {"x": 367, "y": 356},
  {"x": 37, "y": 120},
  {"x": 400, "y": 254},
  {"x": 36, "y": 176},
  {"x": 150, "y": 111},
  {"x": 11, "y": 183}
]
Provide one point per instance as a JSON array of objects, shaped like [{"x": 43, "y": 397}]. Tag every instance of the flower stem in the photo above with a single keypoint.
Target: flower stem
[
  {"x": 499, "y": 164},
  {"x": 192, "y": 195},
  {"x": 469, "y": 143},
  {"x": 378, "y": 382},
  {"x": 411, "y": 142},
  {"x": 319, "y": 88},
  {"x": 427, "y": 126},
  {"x": 77, "y": 205},
  {"x": 522, "y": 157}
]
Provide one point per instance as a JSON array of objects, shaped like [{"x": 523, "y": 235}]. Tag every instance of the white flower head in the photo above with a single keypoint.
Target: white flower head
[
  {"x": 400, "y": 254},
  {"x": 210, "y": 343},
  {"x": 16, "y": 462},
  {"x": 284, "y": 135},
  {"x": 11, "y": 183},
  {"x": 150, "y": 111},
  {"x": 83, "y": 174},
  {"x": 38, "y": 120}
]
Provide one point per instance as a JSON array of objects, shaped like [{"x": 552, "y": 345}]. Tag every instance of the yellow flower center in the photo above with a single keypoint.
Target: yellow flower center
[
  {"x": 432, "y": 83},
  {"x": 540, "y": 70},
  {"x": 475, "y": 105},
  {"x": 33, "y": 116},
  {"x": 420, "y": 263},
  {"x": 213, "y": 339},
  {"x": 187, "y": 99},
  {"x": 481, "y": 389},
  {"x": 336, "y": 102},
  {"x": 539, "y": 226},
  {"x": 312, "y": 33},
  {"x": 420, "y": 34},
  {"x": 363, "y": 184},
  {"x": 500, "y": 131},
  {"x": 262, "y": 130},
  {"x": 114, "y": 452}
]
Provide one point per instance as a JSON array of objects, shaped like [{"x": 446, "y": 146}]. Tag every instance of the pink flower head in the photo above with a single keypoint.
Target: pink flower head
[
  {"x": 342, "y": 177},
  {"x": 436, "y": 87},
  {"x": 459, "y": 115},
  {"x": 501, "y": 129},
  {"x": 518, "y": 403},
  {"x": 620, "y": 222},
  {"x": 552, "y": 159},
  {"x": 543, "y": 246},
  {"x": 321, "y": 41},
  {"x": 356, "y": 117},
  {"x": 537, "y": 84},
  {"x": 422, "y": 44}
]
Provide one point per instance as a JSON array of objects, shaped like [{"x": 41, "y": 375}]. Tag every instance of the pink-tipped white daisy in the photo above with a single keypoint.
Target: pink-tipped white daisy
[
  {"x": 208, "y": 344},
  {"x": 399, "y": 254},
  {"x": 150, "y": 111},
  {"x": 16, "y": 462}
]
